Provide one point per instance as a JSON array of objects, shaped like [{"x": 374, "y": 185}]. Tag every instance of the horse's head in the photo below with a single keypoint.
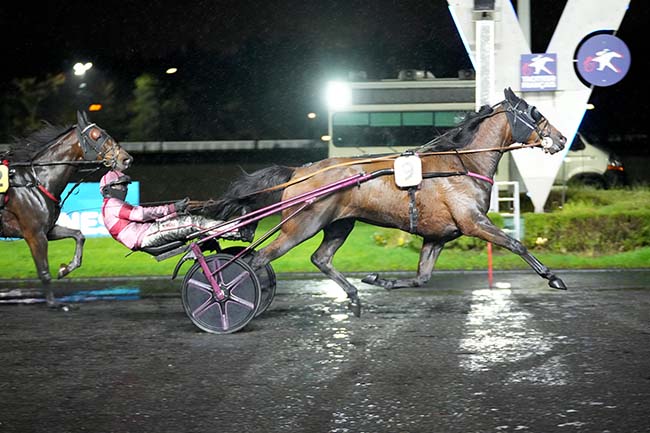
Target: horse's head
[
  {"x": 97, "y": 145},
  {"x": 529, "y": 126}
]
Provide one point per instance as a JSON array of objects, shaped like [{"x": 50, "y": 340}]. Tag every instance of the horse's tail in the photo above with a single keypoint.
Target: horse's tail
[{"x": 241, "y": 197}]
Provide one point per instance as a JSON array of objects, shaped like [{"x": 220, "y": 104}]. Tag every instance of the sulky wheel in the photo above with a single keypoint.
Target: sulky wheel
[
  {"x": 242, "y": 295},
  {"x": 266, "y": 277}
]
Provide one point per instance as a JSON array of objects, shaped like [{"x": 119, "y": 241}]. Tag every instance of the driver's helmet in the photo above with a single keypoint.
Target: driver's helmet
[{"x": 111, "y": 179}]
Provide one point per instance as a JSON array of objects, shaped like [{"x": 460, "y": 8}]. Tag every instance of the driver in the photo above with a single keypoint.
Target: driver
[{"x": 138, "y": 227}]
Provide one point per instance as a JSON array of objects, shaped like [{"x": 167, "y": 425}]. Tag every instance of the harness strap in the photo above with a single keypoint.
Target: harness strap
[
  {"x": 322, "y": 170},
  {"x": 457, "y": 173},
  {"x": 413, "y": 210},
  {"x": 391, "y": 157},
  {"x": 47, "y": 193},
  {"x": 480, "y": 176}
]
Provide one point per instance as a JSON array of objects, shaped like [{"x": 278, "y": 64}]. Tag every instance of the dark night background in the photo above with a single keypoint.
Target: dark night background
[{"x": 254, "y": 69}]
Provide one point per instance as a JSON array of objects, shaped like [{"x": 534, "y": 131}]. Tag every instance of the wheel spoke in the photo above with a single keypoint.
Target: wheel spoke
[
  {"x": 241, "y": 301},
  {"x": 209, "y": 303},
  {"x": 200, "y": 285},
  {"x": 225, "y": 323},
  {"x": 232, "y": 285}
]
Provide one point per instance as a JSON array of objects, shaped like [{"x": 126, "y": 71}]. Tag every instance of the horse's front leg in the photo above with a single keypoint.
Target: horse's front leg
[
  {"x": 484, "y": 229},
  {"x": 428, "y": 256},
  {"x": 60, "y": 232}
]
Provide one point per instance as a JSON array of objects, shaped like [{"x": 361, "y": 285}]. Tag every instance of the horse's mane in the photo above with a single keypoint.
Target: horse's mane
[
  {"x": 24, "y": 149},
  {"x": 461, "y": 135}
]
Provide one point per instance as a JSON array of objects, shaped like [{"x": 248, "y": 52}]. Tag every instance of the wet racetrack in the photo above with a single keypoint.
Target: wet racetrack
[{"x": 454, "y": 358}]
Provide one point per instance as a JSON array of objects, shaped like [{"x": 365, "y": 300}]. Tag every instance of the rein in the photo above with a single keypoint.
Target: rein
[
  {"x": 528, "y": 120},
  {"x": 396, "y": 155},
  {"x": 88, "y": 145},
  {"x": 45, "y": 164}
]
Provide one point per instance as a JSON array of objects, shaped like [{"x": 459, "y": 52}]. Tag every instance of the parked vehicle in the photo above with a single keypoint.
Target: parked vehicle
[
  {"x": 585, "y": 164},
  {"x": 588, "y": 164}
]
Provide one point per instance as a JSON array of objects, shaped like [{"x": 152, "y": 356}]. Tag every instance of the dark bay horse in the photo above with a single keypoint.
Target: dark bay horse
[
  {"x": 42, "y": 165},
  {"x": 452, "y": 200}
]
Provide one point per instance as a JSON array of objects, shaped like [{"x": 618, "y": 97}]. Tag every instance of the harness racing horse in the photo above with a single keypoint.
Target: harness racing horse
[
  {"x": 452, "y": 199},
  {"x": 41, "y": 167}
]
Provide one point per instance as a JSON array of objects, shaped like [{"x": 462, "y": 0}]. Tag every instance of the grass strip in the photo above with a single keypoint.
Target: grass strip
[{"x": 105, "y": 257}]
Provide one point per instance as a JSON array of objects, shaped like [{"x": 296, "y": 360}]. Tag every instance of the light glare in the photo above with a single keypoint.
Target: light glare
[
  {"x": 81, "y": 68},
  {"x": 338, "y": 95}
]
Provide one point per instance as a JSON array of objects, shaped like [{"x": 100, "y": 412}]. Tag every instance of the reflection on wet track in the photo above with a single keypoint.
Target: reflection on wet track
[
  {"x": 498, "y": 332},
  {"x": 35, "y": 296}
]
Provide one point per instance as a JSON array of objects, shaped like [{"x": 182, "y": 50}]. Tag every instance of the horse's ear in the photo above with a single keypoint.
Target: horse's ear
[
  {"x": 82, "y": 121},
  {"x": 509, "y": 94}
]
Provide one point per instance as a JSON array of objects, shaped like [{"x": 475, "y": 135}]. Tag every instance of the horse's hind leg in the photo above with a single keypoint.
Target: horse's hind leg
[
  {"x": 486, "y": 230},
  {"x": 335, "y": 235},
  {"x": 38, "y": 246},
  {"x": 60, "y": 232},
  {"x": 428, "y": 256}
]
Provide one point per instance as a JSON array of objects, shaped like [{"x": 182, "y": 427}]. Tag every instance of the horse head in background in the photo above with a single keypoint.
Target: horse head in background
[{"x": 42, "y": 164}]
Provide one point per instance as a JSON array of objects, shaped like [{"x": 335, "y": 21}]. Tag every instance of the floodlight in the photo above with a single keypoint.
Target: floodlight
[
  {"x": 338, "y": 95},
  {"x": 81, "y": 68}
]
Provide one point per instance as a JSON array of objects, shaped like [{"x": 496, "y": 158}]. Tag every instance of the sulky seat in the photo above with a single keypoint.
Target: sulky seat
[{"x": 162, "y": 252}]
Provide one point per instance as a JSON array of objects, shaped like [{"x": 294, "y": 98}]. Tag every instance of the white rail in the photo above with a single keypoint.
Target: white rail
[{"x": 505, "y": 201}]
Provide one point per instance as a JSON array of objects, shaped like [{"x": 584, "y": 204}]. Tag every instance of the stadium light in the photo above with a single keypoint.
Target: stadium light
[
  {"x": 81, "y": 68},
  {"x": 338, "y": 95}
]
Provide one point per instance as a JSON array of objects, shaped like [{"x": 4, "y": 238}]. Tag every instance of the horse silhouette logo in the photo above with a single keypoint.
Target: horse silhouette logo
[
  {"x": 538, "y": 72},
  {"x": 603, "y": 60},
  {"x": 538, "y": 64}
]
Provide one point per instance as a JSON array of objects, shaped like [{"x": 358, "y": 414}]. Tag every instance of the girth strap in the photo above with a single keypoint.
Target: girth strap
[{"x": 413, "y": 210}]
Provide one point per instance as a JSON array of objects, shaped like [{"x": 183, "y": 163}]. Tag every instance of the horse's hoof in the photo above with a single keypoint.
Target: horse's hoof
[
  {"x": 355, "y": 306},
  {"x": 556, "y": 283},
  {"x": 371, "y": 279},
  {"x": 63, "y": 271},
  {"x": 58, "y": 306}
]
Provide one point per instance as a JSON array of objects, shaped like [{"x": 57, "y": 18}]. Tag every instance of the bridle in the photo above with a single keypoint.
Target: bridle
[
  {"x": 524, "y": 121},
  {"x": 93, "y": 149}
]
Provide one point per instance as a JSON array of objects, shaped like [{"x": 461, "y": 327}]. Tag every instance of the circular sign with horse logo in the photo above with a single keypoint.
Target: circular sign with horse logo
[{"x": 603, "y": 60}]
